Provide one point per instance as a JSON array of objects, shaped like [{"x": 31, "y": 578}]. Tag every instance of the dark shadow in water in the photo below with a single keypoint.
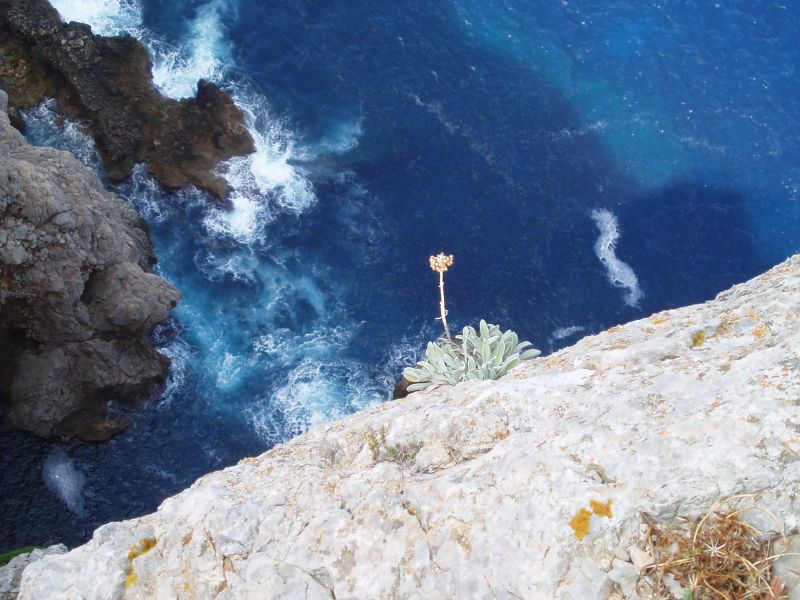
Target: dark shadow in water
[
  {"x": 31, "y": 514},
  {"x": 687, "y": 243}
]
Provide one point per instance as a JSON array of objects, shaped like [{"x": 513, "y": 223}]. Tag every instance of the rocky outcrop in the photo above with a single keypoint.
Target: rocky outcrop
[
  {"x": 107, "y": 83},
  {"x": 77, "y": 299},
  {"x": 11, "y": 573},
  {"x": 533, "y": 486}
]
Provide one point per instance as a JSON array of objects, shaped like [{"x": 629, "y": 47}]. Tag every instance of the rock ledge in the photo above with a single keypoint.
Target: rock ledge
[{"x": 470, "y": 491}]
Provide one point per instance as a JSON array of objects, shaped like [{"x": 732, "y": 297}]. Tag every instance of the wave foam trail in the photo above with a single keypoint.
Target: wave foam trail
[
  {"x": 65, "y": 480},
  {"x": 106, "y": 17},
  {"x": 619, "y": 273},
  {"x": 202, "y": 56}
]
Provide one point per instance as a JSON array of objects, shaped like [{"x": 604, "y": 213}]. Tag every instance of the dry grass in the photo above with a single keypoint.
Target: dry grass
[{"x": 719, "y": 557}]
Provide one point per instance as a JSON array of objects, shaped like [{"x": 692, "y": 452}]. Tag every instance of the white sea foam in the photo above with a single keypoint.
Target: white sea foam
[
  {"x": 203, "y": 55},
  {"x": 65, "y": 480},
  {"x": 230, "y": 371},
  {"x": 341, "y": 139},
  {"x": 264, "y": 184},
  {"x": 180, "y": 355},
  {"x": 284, "y": 347},
  {"x": 565, "y": 332},
  {"x": 44, "y": 127},
  {"x": 619, "y": 273},
  {"x": 315, "y": 392},
  {"x": 106, "y": 17}
]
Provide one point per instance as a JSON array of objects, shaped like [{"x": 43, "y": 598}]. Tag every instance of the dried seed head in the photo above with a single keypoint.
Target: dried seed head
[{"x": 441, "y": 262}]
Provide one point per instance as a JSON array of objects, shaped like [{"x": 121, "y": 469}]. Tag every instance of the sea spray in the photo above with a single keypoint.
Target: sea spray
[
  {"x": 105, "y": 17},
  {"x": 65, "y": 480}
]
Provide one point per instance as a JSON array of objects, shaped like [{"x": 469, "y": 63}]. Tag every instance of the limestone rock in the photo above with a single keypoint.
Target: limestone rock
[
  {"x": 106, "y": 82},
  {"x": 11, "y": 573},
  {"x": 77, "y": 300},
  {"x": 636, "y": 419}
]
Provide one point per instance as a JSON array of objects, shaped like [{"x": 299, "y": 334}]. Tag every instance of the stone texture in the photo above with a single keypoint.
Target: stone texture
[
  {"x": 77, "y": 300},
  {"x": 11, "y": 573},
  {"x": 106, "y": 82},
  {"x": 645, "y": 416}
]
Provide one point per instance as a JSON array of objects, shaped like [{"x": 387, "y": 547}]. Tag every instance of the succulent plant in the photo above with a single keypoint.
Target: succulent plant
[{"x": 488, "y": 353}]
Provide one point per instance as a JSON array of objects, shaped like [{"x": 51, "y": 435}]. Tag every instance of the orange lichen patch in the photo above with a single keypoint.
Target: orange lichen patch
[
  {"x": 659, "y": 318},
  {"x": 614, "y": 329},
  {"x": 698, "y": 339},
  {"x": 501, "y": 435},
  {"x": 760, "y": 332},
  {"x": 600, "y": 509},
  {"x": 714, "y": 405},
  {"x": 727, "y": 323},
  {"x": 580, "y": 523},
  {"x": 620, "y": 345},
  {"x": 557, "y": 362}
]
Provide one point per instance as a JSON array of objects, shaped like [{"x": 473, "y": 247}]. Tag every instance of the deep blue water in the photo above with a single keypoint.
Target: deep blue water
[{"x": 520, "y": 136}]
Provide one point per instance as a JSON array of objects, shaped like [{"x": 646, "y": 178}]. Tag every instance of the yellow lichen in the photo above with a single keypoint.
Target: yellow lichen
[
  {"x": 600, "y": 509},
  {"x": 136, "y": 550},
  {"x": 698, "y": 339},
  {"x": 760, "y": 332},
  {"x": 143, "y": 547},
  {"x": 130, "y": 576},
  {"x": 580, "y": 523}
]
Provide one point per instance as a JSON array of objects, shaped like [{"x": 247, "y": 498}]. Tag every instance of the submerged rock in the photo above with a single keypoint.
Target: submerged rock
[
  {"x": 106, "y": 82},
  {"x": 77, "y": 299},
  {"x": 532, "y": 486}
]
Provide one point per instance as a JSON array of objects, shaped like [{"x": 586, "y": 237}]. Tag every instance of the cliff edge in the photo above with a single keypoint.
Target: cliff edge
[
  {"x": 77, "y": 299},
  {"x": 540, "y": 485}
]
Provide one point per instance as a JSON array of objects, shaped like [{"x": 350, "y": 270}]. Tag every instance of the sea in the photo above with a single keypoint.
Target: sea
[{"x": 587, "y": 163}]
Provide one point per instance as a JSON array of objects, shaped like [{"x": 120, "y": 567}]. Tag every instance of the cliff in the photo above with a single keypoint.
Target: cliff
[
  {"x": 545, "y": 484},
  {"x": 77, "y": 298},
  {"x": 106, "y": 82}
]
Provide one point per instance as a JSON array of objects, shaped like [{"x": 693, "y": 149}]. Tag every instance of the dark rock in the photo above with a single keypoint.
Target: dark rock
[
  {"x": 107, "y": 83},
  {"x": 401, "y": 389},
  {"x": 77, "y": 300}
]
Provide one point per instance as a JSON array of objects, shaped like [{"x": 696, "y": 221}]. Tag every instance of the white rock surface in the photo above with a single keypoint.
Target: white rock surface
[
  {"x": 11, "y": 573},
  {"x": 643, "y": 415}
]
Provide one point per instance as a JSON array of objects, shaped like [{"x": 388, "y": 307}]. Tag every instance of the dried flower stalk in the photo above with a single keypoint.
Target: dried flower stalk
[{"x": 440, "y": 263}]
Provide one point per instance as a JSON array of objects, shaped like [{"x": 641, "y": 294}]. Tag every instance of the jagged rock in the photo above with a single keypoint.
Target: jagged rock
[
  {"x": 640, "y": 418},
  {"x": 107, "y": 83},
  {"x": 77, "y": 300},
  {"x": 11, "y": 573}
]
